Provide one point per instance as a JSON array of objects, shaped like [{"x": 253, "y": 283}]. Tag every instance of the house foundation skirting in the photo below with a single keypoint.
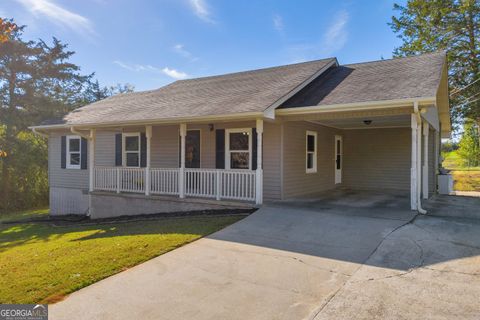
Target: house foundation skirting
[{"x": 106, "y": 205}]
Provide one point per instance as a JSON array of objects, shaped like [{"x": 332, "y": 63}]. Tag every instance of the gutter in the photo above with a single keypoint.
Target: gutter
[
  {"x": 86, "y": 136},
  {"x": 42, "y": 134},
  {"x": 356, "y": 106}
]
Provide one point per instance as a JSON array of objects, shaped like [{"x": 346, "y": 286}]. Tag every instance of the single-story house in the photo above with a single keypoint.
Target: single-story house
[{"x": 261, "y": 135}]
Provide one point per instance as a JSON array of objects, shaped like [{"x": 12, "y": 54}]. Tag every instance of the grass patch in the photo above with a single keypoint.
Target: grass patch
[
  {"x": 40, "y": 263},
  {"x": 466, "y": 180},
  {"x": 34, "y": 213}
]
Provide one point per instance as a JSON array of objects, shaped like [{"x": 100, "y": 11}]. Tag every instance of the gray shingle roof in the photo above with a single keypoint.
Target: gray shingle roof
[
  {"x": 255, "y": 91},
  {"x": 250, "y": 91},
  {"x": 411, "y": 77}
]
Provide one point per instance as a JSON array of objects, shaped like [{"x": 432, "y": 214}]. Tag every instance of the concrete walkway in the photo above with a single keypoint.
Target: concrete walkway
[{"x": 294, "y": 263}]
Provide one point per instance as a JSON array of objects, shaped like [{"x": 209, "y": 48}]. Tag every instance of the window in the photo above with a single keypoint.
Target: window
[
  {"x": 311, "y": 152},
  {"x": 131, "y": 149},
  {"x": 73, "y": 152},
  {"x": 192, "y": 149},
  {"x": 238, "y": 148}
]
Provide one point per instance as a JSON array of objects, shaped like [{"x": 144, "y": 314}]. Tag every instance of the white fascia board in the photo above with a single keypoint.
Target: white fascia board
[
  {"x": 368, "y": 105},
  {"x": 177, "y": 120},
  {"x": 270, "y": 111}
]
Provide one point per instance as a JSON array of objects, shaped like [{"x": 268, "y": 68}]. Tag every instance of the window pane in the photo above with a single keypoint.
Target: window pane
[
  {"x": 309, "y": 160},
  {"x": 74, "y": 145},
  {"x": 75, "y": 159},
  {"x": 132, "y": 159},
  {"x": 239, "y": 160},
  {"x": 131, "y": 143},
  {"x": 239, "y": 141},
  {"x": 310, "y": 143},
  {"x": 339, "y": 162},
  {"x": 192, "y": 149}
]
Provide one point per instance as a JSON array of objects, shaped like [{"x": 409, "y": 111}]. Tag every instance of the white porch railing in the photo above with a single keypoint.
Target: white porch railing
[
  {"x": 204, "y": 183},
  {"x": 164, "y": 181}
]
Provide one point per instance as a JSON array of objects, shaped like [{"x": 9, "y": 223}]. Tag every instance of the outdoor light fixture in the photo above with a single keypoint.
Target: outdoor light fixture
[
  {"x": 367, "y": 122},
  {"x": 210, "y": 126}
]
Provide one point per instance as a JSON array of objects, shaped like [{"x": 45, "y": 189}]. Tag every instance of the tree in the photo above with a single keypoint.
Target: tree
[
  {"x": 36, "y": 83},
  {"x": 469, "y": 149},
  {"x": 95, "y": 92},
  {"x": 452, "y": 25},
  {"x": 7, "y": 27}
]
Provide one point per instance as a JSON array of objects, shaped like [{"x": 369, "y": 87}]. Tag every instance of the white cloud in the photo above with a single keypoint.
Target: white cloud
[
  {"x": 180, "y": 49},
  {"x": 336, "y": 36},
  {"x": 58, "y": 15},
  {"x": 278, "y": 22},
  {"x": 201, "y": 10},
  {"x": 175, "y": 74},
  {"x": 172, "y": 73}
]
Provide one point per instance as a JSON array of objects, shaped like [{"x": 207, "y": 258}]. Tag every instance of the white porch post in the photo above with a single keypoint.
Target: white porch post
[
  {"x": 426, "y": 132},
  {"x": 413, "y": 168},
  {"x": 148, "y": 135},
  {"x": 436, "y": 158},
  {"x": 259, "y": 171},
  {"x": 181, "y": 178},
  {"x": 91, "y": 164}
]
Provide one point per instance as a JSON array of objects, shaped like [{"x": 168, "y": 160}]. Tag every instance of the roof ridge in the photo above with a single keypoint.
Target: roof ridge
[
  {"x": 438, "y": 52},
  {"x": 256, "y": 70}
]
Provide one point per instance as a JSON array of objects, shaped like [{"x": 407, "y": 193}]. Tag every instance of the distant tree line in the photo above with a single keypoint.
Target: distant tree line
[{"x": 37, "y": 82}]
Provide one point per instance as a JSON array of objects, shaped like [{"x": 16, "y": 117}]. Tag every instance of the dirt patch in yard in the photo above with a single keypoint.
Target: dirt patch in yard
[{"x": 73, "y": 220}]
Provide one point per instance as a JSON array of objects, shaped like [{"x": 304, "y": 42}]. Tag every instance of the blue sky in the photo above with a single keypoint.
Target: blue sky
[{"x": 152, "y": 43}]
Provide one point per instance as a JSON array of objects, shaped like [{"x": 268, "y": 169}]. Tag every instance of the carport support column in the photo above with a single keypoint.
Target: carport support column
[
  {"x": 181, "y": 178},
  {"x": 426, "y": 131},
  {"x": 259, "y": 171},
  {"x": 91, "y": 159},
  {"x": 413, "y": 168},
  {"x": 148, "y": 136}
]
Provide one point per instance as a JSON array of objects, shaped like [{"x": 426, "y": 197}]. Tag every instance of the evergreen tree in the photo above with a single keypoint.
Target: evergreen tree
[{"x": 451, "y": 25}]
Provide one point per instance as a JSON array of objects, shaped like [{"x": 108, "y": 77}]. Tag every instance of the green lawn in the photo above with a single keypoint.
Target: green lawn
[
  {"x": 43, "y": 263},
  {"x": 465, "y": 178}
]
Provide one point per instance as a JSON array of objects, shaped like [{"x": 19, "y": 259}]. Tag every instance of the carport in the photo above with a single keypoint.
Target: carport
[
  {"x": 379, "y": 124},
  {"x": 390, "y": 147}
]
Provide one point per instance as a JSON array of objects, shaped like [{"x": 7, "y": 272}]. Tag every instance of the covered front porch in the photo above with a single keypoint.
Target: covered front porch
[{"x": 221, "y": 161}]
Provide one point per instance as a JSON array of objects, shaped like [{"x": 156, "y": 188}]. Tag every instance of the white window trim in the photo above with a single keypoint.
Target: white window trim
[
  {"x": 124, "y": 152},
  {"x": 228, "y": 151},
  {"x": 314, "y": 168},
  {"x": 68, "y": 155}
]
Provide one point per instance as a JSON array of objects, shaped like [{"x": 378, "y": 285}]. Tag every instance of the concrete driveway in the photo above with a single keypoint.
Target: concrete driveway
[{"x": 292, "y": 262}]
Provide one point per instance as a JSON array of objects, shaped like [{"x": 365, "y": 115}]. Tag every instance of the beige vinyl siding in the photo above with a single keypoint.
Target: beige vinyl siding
[
  {"x": 58, "y": 177},
  {"x": 377, "y": 159},
  {"x": 105, "y": 148},
  {"x": 296, "y": 181}
]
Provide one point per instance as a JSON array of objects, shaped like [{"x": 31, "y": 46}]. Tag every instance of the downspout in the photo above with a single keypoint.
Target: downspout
[
  {"x": 416, "y": 111},
  {"x": 83, "y": 135}
]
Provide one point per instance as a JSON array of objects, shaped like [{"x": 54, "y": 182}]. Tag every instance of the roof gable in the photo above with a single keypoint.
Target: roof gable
[
  {"x": 236, "y": 93},
  {"x": 401, "y": 78}
]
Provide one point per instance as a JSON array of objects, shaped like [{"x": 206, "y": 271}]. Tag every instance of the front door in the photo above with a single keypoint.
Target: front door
[{"x": 338, "y": 159}]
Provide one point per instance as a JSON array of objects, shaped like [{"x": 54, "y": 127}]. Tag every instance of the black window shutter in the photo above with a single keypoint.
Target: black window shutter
[
  {"x": 83, "y": 152},
  {"x": 143, "y": 150},
  {"x": 254, "y": 148},
  {"x": 118, "y": 149},
  {"x": 63, "y": 160},
  {"x": 220, "y": 148}
]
